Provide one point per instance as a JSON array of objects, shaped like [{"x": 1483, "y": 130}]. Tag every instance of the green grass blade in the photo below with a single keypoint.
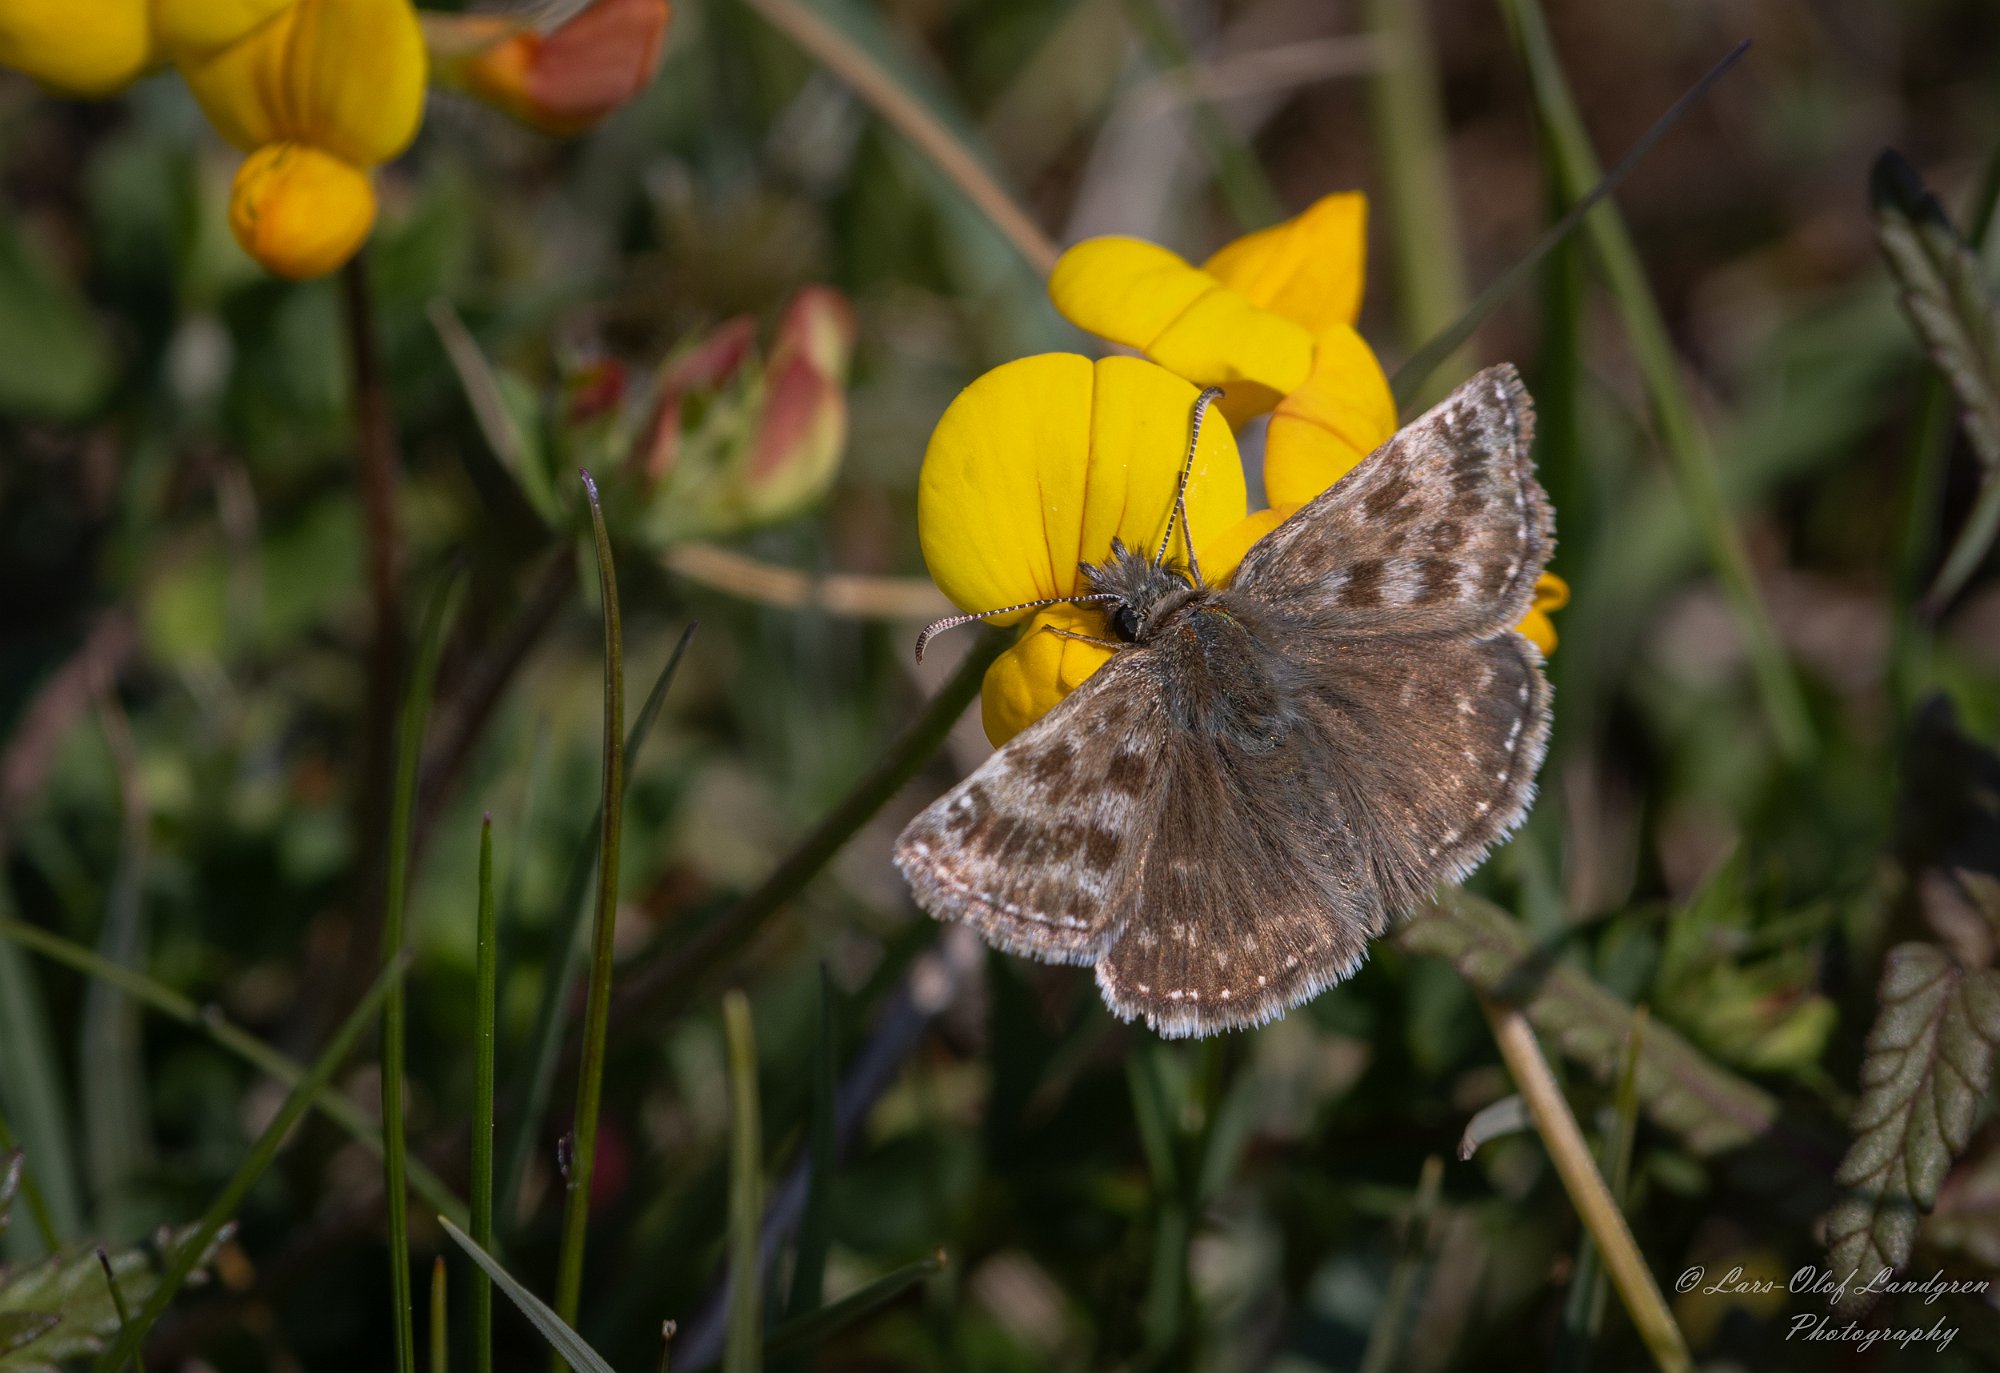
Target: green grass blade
[
  {"x": 568, "y": 1345},
  {"x": 485, "y": 979},
  {"x": 1590, "y": 1288},
  {"x": 201, "y": 1238},
  {"x": 440, "y": 1336},
  {"x": 32, "y": 1092},
  {"x": 395, "y": 1157},
  {"x": 1385, "y": 1340},
  {"x": 741, "y": 1353},
  {"x": 550, "y": 1017},
  {"x": 332, "y": 1103},
  {"x": 1246, "y": 190},
  {"x": 1406, "y": 117},
  {"x": 597, "y": 1005},
  {"x": 14, "y": 1180},
  {"x": 802, "y": 1332},
  {"x": 816, "y": 1222},
  {"x": 1687, "y": 443},
  {"x": 1417, "y": 368},
  {"x": 111, "y": 1069},
  {"x": 118, "y": 1303}
]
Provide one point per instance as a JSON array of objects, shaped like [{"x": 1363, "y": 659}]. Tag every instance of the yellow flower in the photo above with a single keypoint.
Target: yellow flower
[
  {"x": 318, "y": 92},
  {"x": 1039, "y": 465},
  {"x": 90, "y": 48},
  {"x": 1270, "y": 319},
  {"x": 298, "y": 210}
]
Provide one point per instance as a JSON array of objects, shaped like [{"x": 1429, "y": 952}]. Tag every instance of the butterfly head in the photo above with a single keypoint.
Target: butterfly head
[{"x": 1137, "y": 590}]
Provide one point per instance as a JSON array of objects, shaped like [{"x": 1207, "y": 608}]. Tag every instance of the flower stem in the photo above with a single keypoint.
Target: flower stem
[
  {"x": 485, "y": 980},
  {"x": 1585, "y": 1185}
]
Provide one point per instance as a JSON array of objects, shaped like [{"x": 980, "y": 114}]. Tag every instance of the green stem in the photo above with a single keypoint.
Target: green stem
[
  {"x": 440, "y": 1345},
  {"x": 485, "y": 979},
  {"x": 395, "y": 1160},
  {"x": 1687, "y": 444},
  {"x": 742, "y": 1353},
  {"x": 597, "y": 1005}
]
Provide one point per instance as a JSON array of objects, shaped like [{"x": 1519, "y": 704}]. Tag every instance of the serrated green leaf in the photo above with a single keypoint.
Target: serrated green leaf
[
  {"x": 62, "y": 1308},
  {"x": 1929, "y": 1061}
]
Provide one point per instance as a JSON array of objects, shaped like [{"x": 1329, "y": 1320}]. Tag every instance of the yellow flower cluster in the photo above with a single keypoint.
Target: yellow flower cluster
[
  {"x": 1040, "y": 463},
  {"x": 318, "y": 93}
]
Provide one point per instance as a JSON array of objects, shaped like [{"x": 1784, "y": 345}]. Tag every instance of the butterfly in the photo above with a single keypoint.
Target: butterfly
[{"x": 1266, "y": 772}]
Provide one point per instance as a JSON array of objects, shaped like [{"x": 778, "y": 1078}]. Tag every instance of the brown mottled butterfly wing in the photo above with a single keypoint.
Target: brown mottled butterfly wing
[
  {"x": 1034, "y": 849},
  {"x": 1347, "y": 724}
]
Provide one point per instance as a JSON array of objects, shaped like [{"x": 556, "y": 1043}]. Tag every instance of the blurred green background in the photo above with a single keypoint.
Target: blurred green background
[{"x": 193, "y": 772}]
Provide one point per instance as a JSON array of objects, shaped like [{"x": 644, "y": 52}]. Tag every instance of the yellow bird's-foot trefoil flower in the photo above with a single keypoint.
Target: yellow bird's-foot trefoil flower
[
  {"x": 1036, "y": 467},
  {"x": 1269, "y": 318},
  {"x": 318, "y": 93}
]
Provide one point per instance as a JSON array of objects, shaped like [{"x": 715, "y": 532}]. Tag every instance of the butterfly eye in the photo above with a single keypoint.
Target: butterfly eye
[{"x": 1125, "y": 621}]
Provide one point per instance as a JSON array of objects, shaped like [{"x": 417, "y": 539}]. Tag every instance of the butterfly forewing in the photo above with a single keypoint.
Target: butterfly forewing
[
  {"x": 1443, "y": 530},
  {"x": 1036, "y": 848}
]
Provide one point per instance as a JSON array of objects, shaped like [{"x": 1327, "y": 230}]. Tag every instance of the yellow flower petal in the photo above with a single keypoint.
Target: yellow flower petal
[
  {"x": 1027, "y": 681},
  {"x": 188, "y": 28},
  {"x": 1145, "y": 297},
  {"x": 1343, "y": 412},
  {"x": 1310, "y": 269},
  {"x": 300, "y": 211},
  {"x": 1220, "y": 555},
  {"x": 343, "y": 75},
  {"x": 83, "y": 49},
  {"x": 1551, "y": 593},
  {"x": 1041, "y": 462}
]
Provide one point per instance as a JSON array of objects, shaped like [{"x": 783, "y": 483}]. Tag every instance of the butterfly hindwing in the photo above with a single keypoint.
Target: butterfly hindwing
[
  {"x": 1035, "y": 848},
  {"x": 1442, "y": 530}
]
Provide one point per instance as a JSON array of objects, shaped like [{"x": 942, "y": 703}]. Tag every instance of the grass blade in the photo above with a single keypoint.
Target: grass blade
[
  {"x": 395, "y": 1156},
  {"x": 1417, "y": 368},
  {"x": 1385, "y": 1340},
  {"x": 597, "y": 1005},
  {"x": 31, "y": 1089},
  {"x": 202, "y": 1237},
  {"x": 485, "y": 978},
  {"x": 14, "y": 1180},
  {"x": 111, "y": 1070},
  {"x": 741, "y": 1354},
  {"x": 569, "y": 1346},
  {"x": 118, "y": 1303},
  {"x": 816, "y": 1225},
  {"x": 1248, "y": 192},
  {"x": 332, "y": 1103},
  {"x": 846, "y": 40},
  {"x": 550, "y": 1018},
  {"x": 802, "y": 1332},
  {"x": 1406, "y": 117},
  {"x": 440, "y": 1344},
  {"x": 1687, "y": 444}
]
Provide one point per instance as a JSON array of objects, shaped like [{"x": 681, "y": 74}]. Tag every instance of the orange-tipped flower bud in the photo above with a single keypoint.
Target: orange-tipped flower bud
[
  {"x": 299, "y": 210},
  {"x": 563, "y": 81},
  {"x": 803, "y": 426}
]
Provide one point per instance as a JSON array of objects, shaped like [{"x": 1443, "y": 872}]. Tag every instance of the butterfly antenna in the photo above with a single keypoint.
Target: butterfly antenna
[
  {"x": 1201, "y": 404},
  {"x": 954, "y": 621}
]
